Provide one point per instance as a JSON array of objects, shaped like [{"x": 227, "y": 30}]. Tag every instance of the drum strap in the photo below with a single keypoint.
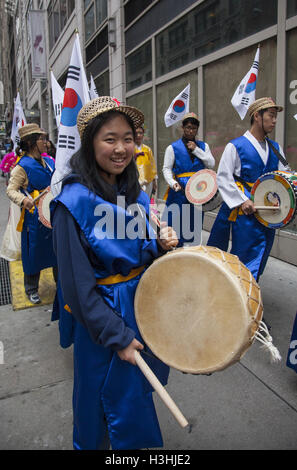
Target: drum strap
[{"x": 277, "y": 153}]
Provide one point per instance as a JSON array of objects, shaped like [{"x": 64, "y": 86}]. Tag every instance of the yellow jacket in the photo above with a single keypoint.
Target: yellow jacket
[{"x": 145, "y": 163}]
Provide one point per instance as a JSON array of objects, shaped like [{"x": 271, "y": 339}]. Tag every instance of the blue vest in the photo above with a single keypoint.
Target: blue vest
[
  {"x": 252, "y": 166},
  {"x": 38, "y": 176},
  {"x": 36, "y": 240},
  {"x": 183, "y": 162}
]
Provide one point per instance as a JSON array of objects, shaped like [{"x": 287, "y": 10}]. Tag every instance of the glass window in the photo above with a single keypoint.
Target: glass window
[
  {"x": 89, "y": 23},
  {"x": 101, "y": 11},
  {"x": 209, "y": 27},
  {"x": 144, "y": 102},
  {"x": 63, "y": 13},
  {"x": 134, "y": 8},
  {"x": 166, "y": 135},
  {"x": 71, "y": 6},
  {"x": 139, "y": 66},
  {"x": 291, "y": 8},
  {"x": 102, "y": 84},
  {"x": 221, "y": 122},
  {"x": 87, "y": 3}
]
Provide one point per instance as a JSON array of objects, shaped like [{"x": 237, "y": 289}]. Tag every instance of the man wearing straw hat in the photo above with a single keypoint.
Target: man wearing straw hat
[
  {"x": 29, "y": 178},
  {"x": 243, "y": 161}
]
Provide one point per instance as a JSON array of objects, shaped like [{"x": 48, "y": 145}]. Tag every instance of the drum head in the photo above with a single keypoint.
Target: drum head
[
  {"x": 192, "y": 312},
  {"x": 274, "y": 189},
  {"x": 201, "y": 187},
  {"x": 44, "y": 209}
]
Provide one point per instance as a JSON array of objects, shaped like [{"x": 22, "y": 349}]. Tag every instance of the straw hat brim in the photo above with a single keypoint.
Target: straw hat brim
[{"x": 101, "y": 105}]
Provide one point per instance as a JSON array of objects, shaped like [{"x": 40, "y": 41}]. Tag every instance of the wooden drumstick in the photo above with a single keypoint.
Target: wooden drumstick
[
  {"x": 163, "y": 394},
  {"x": 41, "y": 194},
  {"x": 275, "y": 208}
]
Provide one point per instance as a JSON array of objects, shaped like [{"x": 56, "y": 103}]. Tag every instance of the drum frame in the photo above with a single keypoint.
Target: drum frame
[
  {"x": 292, "y": 190},
  {"x": 214, "y": 194}
]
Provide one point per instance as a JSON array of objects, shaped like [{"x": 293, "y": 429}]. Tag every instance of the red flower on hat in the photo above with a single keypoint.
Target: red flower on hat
[{"x": 116, "y": 101}]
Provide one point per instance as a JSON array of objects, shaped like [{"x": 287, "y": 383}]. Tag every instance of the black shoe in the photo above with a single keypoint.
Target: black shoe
[{"x": 34, "y": 298}]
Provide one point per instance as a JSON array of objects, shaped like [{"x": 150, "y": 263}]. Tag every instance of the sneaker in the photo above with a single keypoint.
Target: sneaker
[{"x": 34, "y": 298}]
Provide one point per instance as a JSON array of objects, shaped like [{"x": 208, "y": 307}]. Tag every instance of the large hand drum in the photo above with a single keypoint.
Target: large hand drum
[
  {"x": 277, "y": 188},
  {"x": 202, "y": 190},
  {"x": 198, "y": 309}
]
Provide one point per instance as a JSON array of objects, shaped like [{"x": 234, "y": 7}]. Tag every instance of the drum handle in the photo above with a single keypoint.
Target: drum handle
[
  {"x": 275, "y": 208},
  {"x": 156, "y": 384},
  {"x": 41, "y": 194}
]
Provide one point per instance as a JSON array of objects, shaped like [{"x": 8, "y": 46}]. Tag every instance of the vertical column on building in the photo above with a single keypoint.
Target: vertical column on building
[{"x": 116, "y": 50}]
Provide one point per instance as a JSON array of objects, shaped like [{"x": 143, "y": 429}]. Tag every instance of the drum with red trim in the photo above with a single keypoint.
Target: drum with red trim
[
  {"x": 277, "y": 188},
  {"x": 202, "y": 190},
  {"x": 44, "y": 209}
]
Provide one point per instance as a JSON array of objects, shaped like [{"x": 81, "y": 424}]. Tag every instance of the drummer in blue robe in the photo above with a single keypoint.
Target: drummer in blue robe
[
  {"x": 29, "y": 178},
  {"x": 244, "y": 160},
  {"x": 182, "y": 160},
  {"x": 104, "y": 243}
]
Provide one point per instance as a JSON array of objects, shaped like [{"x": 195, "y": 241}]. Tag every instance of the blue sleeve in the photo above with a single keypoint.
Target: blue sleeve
[{"x": 78, "y": 284}]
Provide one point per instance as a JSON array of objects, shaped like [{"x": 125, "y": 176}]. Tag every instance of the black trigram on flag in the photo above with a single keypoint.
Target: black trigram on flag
[
  {"x": 58, "y": 109},
  {"x": 245, "y": 101},
  {"x": 66, "y": 142},
  {"x": 73, "y": 72},
  {"x": 172, "y": 116},
  {"x": 256, "y": 64},
  {"x": 184, "y": 95}
]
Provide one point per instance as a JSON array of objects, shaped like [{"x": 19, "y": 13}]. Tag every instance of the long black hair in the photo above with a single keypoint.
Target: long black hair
[{"x": 87, "y": 170}]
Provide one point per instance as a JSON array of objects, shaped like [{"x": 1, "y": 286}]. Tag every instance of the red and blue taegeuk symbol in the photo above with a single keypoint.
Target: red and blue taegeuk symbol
[
  {"x": 251, "y": 84},
  {"x": 71, "y": 107},
  {"x": 178, "y": 106}
]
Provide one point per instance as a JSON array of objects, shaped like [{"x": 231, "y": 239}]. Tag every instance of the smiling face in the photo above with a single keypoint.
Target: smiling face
[{"x": 113, "y": 147}]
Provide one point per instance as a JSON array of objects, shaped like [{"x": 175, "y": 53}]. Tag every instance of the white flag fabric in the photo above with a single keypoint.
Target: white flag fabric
[
  {"x": 75, "y": 97},
  {"x": 57, "y": 97},
  {"x": 93, "y": 90},
  {"x": 19, "y": 120},
  {"x": 178, "y": 107},
  {"x": 245, "y": 93},
  {"x": 37, "y": 33},
  {"x": 295, "y": 116}
]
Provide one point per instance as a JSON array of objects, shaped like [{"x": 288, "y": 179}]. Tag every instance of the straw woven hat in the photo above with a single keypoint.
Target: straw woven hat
[
  {"x": 263, "y": 103},
  {"x": 191, "y": 115},
  {"x": 102, "y": 104},
  {"x": 29, "y": 129}
]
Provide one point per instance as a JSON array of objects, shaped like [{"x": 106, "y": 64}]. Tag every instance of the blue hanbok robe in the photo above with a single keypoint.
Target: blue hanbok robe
[
  {"x": 183, "y": 165},
  {"x": 107, "y": 390},
  {"x": 251, "y": 241},
  {"x": 36, "y": 239}
]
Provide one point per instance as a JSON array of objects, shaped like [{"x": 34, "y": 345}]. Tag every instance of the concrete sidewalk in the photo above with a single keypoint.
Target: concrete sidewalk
[{"x": 250, "y": 405}]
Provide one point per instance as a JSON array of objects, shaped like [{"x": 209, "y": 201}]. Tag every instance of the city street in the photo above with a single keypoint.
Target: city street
[{"x": 250, "y": 405}]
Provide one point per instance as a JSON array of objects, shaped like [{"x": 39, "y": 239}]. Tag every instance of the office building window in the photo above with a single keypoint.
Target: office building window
[
  {"x": 59, "y": 12},
  {"x": 134, "y": 8},
  {"x": 166, "y": 135},
  {"x": 90, "y": 22},
  {"x": 139, "y": 66},
  {"x": 291, "y": 8},
  {"x": 96, "y": 46},
  {"x": 291, "y": 101},
  {"x": 101, "y": 11},
  {"x": 102, "y": 84},
  {"x": 144, "y": 102},
  {"x": 209, "y": 27}
]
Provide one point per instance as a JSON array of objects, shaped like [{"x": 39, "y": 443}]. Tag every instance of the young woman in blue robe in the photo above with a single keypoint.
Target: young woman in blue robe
[
  {"x": 102, "y": 251},
  {"x": 29, "y": 178}
]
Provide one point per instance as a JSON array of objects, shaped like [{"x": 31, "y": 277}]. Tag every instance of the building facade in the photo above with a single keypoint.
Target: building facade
[{"x": 144, "y": 52}]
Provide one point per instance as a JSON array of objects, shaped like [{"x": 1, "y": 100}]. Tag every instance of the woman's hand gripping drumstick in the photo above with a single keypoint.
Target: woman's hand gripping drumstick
[{"x": 167, "y": 237}]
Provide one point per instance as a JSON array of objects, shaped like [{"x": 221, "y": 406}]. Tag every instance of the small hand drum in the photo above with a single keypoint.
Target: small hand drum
[
  {"x": 279, "y": 189},
  {"x": 198, "y": 309},
  {"x": 202, "y": 190},
  {"x": 44, "y": 209}
]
